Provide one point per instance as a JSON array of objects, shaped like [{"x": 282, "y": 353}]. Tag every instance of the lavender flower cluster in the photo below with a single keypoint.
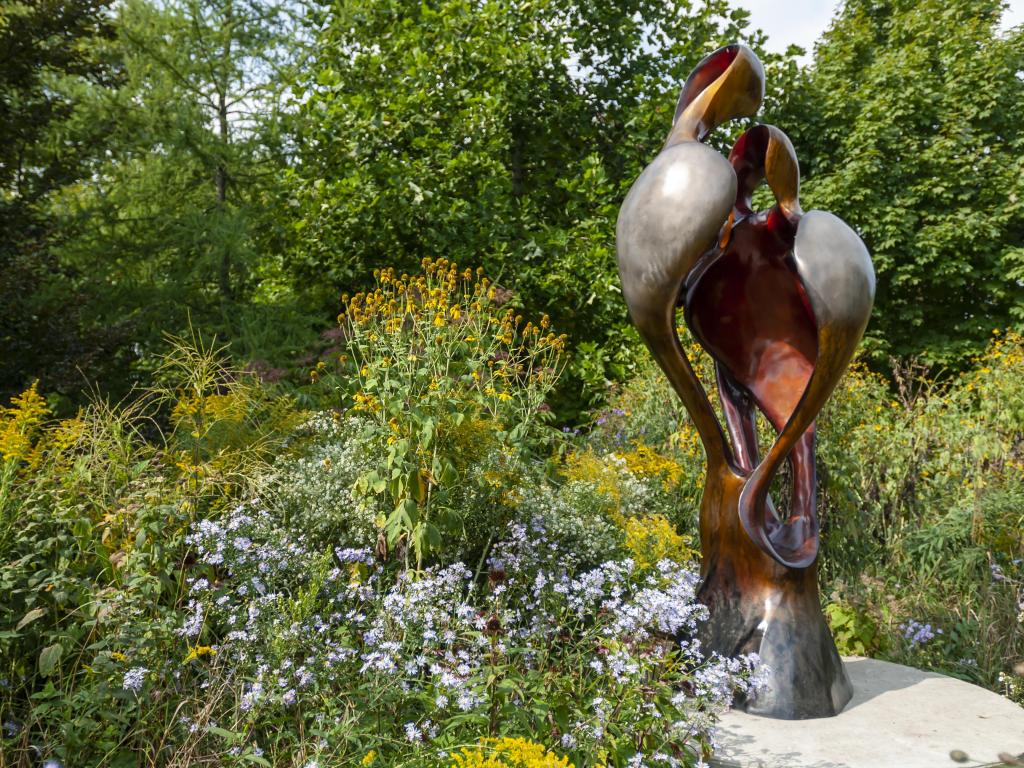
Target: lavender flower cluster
[
  {"x": 296, "y": 623},
  {"x": 918, "y": 634}
]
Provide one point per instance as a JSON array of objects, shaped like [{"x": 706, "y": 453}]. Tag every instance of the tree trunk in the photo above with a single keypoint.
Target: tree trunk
[{"x": 221, "y": 173}]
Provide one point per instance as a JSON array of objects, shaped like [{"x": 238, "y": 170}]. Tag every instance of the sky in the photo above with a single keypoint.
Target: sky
[{"x": 802, "y": 21}]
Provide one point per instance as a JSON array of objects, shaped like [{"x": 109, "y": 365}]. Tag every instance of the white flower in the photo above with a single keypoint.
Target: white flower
[
  {"x": 413, "y": 733},
  {"x": 134, "y": 679}
]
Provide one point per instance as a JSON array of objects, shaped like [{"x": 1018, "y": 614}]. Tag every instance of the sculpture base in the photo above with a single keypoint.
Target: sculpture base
[
  {"x": 758, "y": 605},
  {"x": 899, "y": 717},
  {"x": 783, "y": 624}
]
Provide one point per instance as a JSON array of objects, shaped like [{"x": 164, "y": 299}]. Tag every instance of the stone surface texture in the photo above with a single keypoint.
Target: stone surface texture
[{"x": 899, "y": 717}]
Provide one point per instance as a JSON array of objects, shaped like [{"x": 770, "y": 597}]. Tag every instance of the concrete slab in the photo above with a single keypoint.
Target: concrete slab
[{"x": 899, "y": 717}]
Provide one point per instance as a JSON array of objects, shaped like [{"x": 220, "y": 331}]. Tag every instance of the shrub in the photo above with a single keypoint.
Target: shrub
[
  {"x": 92, "y": 554},
  {"x": 200, "y": 576},
  {"x": 446, "y": 380},
  {"x": 408, "y": 666},
  {"x": 922, "y": 515},
  {"x": 921, "y": 492},
  {"x": 314, "y": 488}
]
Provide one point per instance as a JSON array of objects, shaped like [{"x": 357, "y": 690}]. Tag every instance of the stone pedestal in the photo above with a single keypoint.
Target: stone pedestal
[{"x": 899, "y": 717}]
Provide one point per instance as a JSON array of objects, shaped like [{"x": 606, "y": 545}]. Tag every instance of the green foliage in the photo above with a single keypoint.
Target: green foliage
[
  {"x": 93, "y": 515},
  {"x": 645, "y": 412},
  {"x": 164, "y": 206},
  {"x": 224, "y": 426},
  {"x": 920, "y": 499},
  {"x": 409, "y": 667},
  {"x": 855, "y": 633},
  {"x": 908, "y": 126},
  {"x": 51, "y": 50},
  {"x": 236, "y": 164},
  {"x": 501, "y": 133},
  {"x": 313, "y": 486},
  {"x": 921, "y": 494},
  {"x": 156, "y": 603},
  {"x": 447, "y": 378}
]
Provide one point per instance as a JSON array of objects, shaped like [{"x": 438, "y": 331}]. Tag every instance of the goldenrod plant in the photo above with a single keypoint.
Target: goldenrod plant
[{"x": 444, "y": 375}]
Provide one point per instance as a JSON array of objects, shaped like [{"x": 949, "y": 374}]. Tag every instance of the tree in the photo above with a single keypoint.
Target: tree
[
  {"x": 175, "y": 221},
  {"x": 909, "y": 125},
  {"x": 502, "y": 133},
  {"x": 51, "y": 51}
]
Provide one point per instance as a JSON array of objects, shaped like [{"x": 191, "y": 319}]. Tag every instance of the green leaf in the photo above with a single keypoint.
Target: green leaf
[
  {"x": 417, "y": 488},
  {"x": 49, "y": 657},
  {"x": 432, "y": 536},
  {"x": 449, "y": 474},
  {"x": 29, "y": 617},
  {"x": 228, "y": 736}
]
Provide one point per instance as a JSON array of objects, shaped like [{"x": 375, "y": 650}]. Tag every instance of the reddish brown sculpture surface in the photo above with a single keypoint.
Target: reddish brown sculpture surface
[{"x": 780, "y": 299}]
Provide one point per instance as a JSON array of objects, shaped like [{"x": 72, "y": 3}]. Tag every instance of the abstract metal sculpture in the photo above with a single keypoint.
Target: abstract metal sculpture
[{"x": 779, "y": 299}]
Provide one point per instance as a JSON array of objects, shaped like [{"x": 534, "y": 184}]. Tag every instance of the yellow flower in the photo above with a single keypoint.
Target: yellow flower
[
  {"x": 652, "y": 538},
  {"x": 647, "y": 462},
  {"x": 508, "y": 753},
  {"x": 369, "y": 758},
  {"x": 197, "y": 651},
  {"x": 20, "y": 422}
]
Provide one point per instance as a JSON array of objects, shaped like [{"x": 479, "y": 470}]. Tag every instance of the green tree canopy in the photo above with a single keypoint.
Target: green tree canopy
[
  {"x": 51, "y": 51},
  {"x": 909, "y": 126},
  {"x": 501, "y": 133},
  {"x": 175, "y": 208}
]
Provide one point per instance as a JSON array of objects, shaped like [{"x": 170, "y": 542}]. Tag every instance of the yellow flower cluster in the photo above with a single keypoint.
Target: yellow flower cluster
[
  {"x": 365, "y": 402},
  {"x": 588, "y": 467},
  {"x": 687, "y": 441},
  {"x": 1007, "y": 348},
  {"x": 652, "y": 538},
  {"x": 508, "y": 753},
  {"x": 435, "y": 296},
  {"x": 439, "y": 297},
  {"x": 20, "y": 423},
  {"x": 605, "y": 474},
  {"x": 644, "y": 461},
  {"x": 198, "y": 651},
  {"x": 210, "y": 408}
]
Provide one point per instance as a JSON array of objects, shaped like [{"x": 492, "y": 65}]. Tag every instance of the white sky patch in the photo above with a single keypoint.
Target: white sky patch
[{"x": 802, "y": 22}]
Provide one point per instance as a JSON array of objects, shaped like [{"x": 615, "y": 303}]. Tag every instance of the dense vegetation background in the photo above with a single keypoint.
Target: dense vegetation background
[
  {"x": 373, "y": 537},
  {"x": 236, "y": 165}
]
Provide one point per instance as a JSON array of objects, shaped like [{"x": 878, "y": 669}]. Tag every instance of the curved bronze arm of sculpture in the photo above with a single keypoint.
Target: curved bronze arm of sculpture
[
  {"x": 781, "y": 306},
  {"x": 837, "y": 277},
  {"x": 674, "y": 213},
  {"x": 745, "y": 305},
  {"x": 724, "y": 85}
]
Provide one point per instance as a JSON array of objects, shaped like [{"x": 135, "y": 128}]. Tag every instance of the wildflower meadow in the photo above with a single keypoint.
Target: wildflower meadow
[{"x": 405, "y": 562}]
